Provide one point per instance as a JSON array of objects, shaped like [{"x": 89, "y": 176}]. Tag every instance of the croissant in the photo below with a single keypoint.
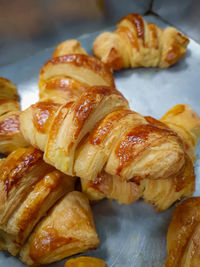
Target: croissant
[
  {"x": 68, "y": 229},
  {"x": 159, "y": 192},
  {"x": 97, "y": 134},
  {"x": 71, "y": 72},
  {"x": 28, "y": 189},
  {"x": 85, "y": 262},
  {"x": 138, "y": 43},
  {"x": 183, "y": 235},
  {"x": 116, "y": 152},
  {"x": 69, "y": 47},
  {"x": 10, "y": 136}
]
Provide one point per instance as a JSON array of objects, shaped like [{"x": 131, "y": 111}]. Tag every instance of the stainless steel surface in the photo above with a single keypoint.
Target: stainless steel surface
[
  {"x": 184, "y": 14},
  {"x": 134, "y": 235},
  {"x": 27, "y": 27}
]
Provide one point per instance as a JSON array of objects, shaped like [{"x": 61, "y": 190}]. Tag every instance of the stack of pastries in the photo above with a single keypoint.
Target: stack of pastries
[{"x": 83, "y": 127}]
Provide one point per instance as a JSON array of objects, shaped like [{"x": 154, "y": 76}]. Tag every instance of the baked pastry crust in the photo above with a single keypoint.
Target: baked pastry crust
[
  {"x": 85, "y": 262},
  {"x": 10, "y": 136},
  {"x": 137, "y": 43},
  {"x": 69, "y": 47},
  {"x": 96, "y": 137},
  {"x": 28, "y": 189},
  {"x": 160, "y": 188},
  {"x": 183, "y": 235},
  {"x": 68, "y": 229}
]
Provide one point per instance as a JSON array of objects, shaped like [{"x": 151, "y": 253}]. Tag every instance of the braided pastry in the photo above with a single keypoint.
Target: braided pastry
[
  {"x": 137, "y": 43},
  {"x": 10, "y": 136},
  {"x": 116, "y": 152},
  {"x": 183, "y": 237}
]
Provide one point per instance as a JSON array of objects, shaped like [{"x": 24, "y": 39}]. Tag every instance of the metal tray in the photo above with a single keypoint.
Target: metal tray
[{"x": 134, "y": 235}]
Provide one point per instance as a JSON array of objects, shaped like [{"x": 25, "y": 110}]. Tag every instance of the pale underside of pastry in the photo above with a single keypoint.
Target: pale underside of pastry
[
  {"x": 138, "y": 43},
  {"x": 68, "y": 229}
]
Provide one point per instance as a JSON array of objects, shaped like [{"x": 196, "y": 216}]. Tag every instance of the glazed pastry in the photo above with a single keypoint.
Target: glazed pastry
[
  {"x": 8, "y": 97},
  {"x": 69, "y": 47},
  {"x": 66, "y": 76},
  {"x": 68, "y": 229},
  {"x": 29, "y": 188},
  {"x": 183, "y": 237},
  {"x": 10, "y": 136},
  {"x": 185, "y": 122},
  {"x": 137, "y": 43},
  {"x": 75, "y": 118},
  {"x": 158, "y": 192},
  {"x": 97, "y": 135},
  {"x": 85, "y": 262},
  {"x": 116, "y": 152}
]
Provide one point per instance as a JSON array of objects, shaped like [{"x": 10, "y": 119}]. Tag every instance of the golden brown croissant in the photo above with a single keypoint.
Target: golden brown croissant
[
  {"x": 185, "y": 122},
  {"x": 10, "y": 136},
  {"x": 69, "y": 47},
  {"x": 183, "y": 237},
  {"x": 159, "y": 192},
  {"x": 138, "y": 43},
  {"x": 85, "y": 262},
  {"x": 83, "y": 114},
  {"x": 68, "y": 229},
  {"x": 70, "y": 72},
  {"x": 28, "y": 189},
  {"x": 116, "y": 152},
  {"x": 96, "y": 135}
]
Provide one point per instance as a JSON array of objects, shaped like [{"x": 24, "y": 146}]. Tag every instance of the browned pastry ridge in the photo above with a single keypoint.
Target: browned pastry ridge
[
  {"x": 10, "y": 136},
  {"x": 116, "y": 152},
  {"x": 138, "y": 43},
  {"x": 183, "y": 237}
]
